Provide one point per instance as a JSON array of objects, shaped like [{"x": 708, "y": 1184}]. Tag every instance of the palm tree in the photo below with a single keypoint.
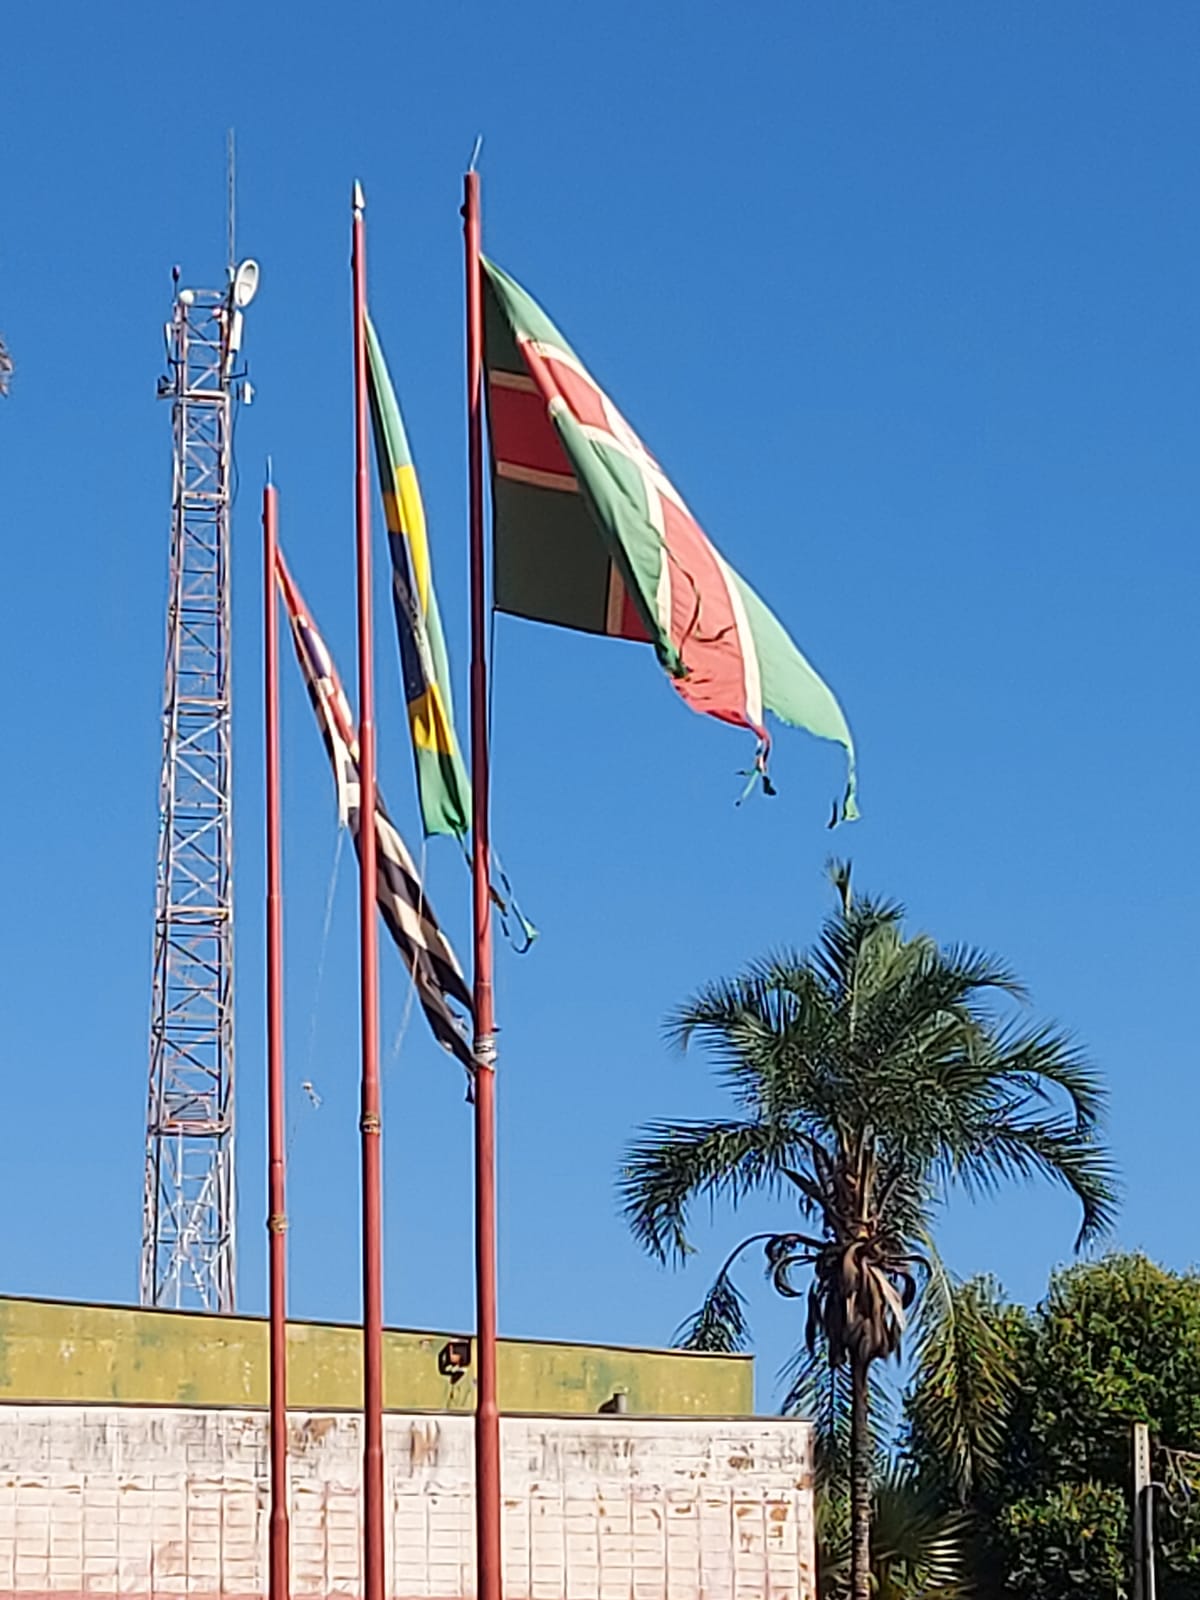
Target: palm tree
[{"x": 871, "y": 1075}]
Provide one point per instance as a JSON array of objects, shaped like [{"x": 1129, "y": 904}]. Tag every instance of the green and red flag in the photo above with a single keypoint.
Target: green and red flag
[
  {"x": 589, "y": 533},
  {"x": 442, "y": 784}
]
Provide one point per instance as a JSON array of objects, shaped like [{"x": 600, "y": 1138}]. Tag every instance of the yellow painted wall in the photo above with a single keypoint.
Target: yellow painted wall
[{"x": 88, "y": 1354}]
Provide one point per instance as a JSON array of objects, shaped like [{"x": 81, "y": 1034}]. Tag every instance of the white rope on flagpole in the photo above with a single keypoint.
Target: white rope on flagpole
[{"x": 310, "y": 1054}]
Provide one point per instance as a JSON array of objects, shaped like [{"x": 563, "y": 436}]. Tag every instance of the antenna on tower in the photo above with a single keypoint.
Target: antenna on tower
[{"x": 231, "y": 171}]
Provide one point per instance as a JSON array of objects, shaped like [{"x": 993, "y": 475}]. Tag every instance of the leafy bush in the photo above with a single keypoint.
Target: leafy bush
[{"x": 1070, "y": 1541}]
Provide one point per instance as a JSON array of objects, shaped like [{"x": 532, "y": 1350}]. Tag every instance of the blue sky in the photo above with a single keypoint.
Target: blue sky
[{"x": 904, "y": 298}]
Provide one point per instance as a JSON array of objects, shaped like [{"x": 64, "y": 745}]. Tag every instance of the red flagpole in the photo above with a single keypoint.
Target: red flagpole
[
  {"x": 487, "y": 1413},
  {"x": 279, "y": 1584},
  {"x": 369, "y": 1122}
]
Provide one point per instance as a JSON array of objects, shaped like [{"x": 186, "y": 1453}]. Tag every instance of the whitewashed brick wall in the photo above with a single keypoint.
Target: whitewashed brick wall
[{"x": 141, "y": 1501}]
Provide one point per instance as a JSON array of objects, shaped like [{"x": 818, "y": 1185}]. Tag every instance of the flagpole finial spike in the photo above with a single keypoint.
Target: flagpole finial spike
[
  {"x": 359, "y": 200},
  {"x": 270, "y": 474},
  {"x": 475, "y": 149}
]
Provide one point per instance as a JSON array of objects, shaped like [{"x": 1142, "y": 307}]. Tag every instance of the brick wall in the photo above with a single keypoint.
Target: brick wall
[{"x": 145, "y": 1501}]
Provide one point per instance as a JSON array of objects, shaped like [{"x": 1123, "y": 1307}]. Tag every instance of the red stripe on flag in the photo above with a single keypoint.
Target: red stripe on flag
[
  {"x": 631, "y": 625},
  {"x": 703, "y": 625},
  {"x": 522, "y": 433},
  {"x": 581, "y": 393}
]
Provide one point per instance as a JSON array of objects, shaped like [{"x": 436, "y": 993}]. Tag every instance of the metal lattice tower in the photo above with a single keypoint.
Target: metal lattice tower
[{"x": 188, "y": 1222}]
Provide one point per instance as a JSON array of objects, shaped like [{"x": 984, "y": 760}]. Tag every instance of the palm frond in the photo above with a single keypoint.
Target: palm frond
[
  {"x": 820, "y": 1393},
  {"x": 979, "y": 969},
  {"x": 721, "y": 1006},
  {"x": 768, "y": 1032},
  {"x": 839, "y": 872},
  {"x": 965, "y": 1381},
  {"x": 919, "y": 1551},
  {"x": 1053, "y": 1149},
  {"x": 846, "y": 938},
  {"x": 1043, "y": 1058},
  {"x": 785, "y": 1252},
  {"x": 929, "y": 1003},
  {"x": 813, "y": 1200},
  {"x": 673, "y": 1163},
  {"x": 720, "y": 1324}
]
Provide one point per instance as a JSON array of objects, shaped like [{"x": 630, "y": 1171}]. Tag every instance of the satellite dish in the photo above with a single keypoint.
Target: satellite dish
[{"x": 245, "y": 284}]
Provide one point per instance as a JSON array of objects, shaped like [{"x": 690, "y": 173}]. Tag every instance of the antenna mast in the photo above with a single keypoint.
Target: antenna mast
[
  {"x": 231, "y": 172},
  {"x": 188, "y": 1219}
]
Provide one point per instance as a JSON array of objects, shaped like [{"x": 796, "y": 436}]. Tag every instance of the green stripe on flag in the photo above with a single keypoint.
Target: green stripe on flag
[{"x": 442, "y": 784}]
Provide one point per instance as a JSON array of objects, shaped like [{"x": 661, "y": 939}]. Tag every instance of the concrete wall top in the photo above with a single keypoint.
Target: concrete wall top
[{"x": 56, "y": 1352}]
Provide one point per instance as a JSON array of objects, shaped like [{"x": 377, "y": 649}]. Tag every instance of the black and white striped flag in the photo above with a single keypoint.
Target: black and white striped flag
[{"x": 400, "y": 894}]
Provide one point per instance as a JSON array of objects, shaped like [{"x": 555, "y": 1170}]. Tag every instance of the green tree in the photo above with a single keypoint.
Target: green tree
[
  {"x": 1070, "y": 1541},
  {"x": 1115, "y": 1342},
  {"x": 870, "y": 1075}
]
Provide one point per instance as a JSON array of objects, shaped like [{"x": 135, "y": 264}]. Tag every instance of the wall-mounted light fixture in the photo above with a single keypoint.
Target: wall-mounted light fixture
[{"x": 454, "y": 1358}]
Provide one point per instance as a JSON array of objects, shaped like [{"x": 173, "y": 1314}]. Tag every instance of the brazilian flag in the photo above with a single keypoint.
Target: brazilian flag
[{"x": 442, "y": 785}]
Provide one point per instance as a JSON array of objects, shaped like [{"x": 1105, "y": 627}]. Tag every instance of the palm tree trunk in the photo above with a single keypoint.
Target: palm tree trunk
[{"x": 861, "y": 1473}]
